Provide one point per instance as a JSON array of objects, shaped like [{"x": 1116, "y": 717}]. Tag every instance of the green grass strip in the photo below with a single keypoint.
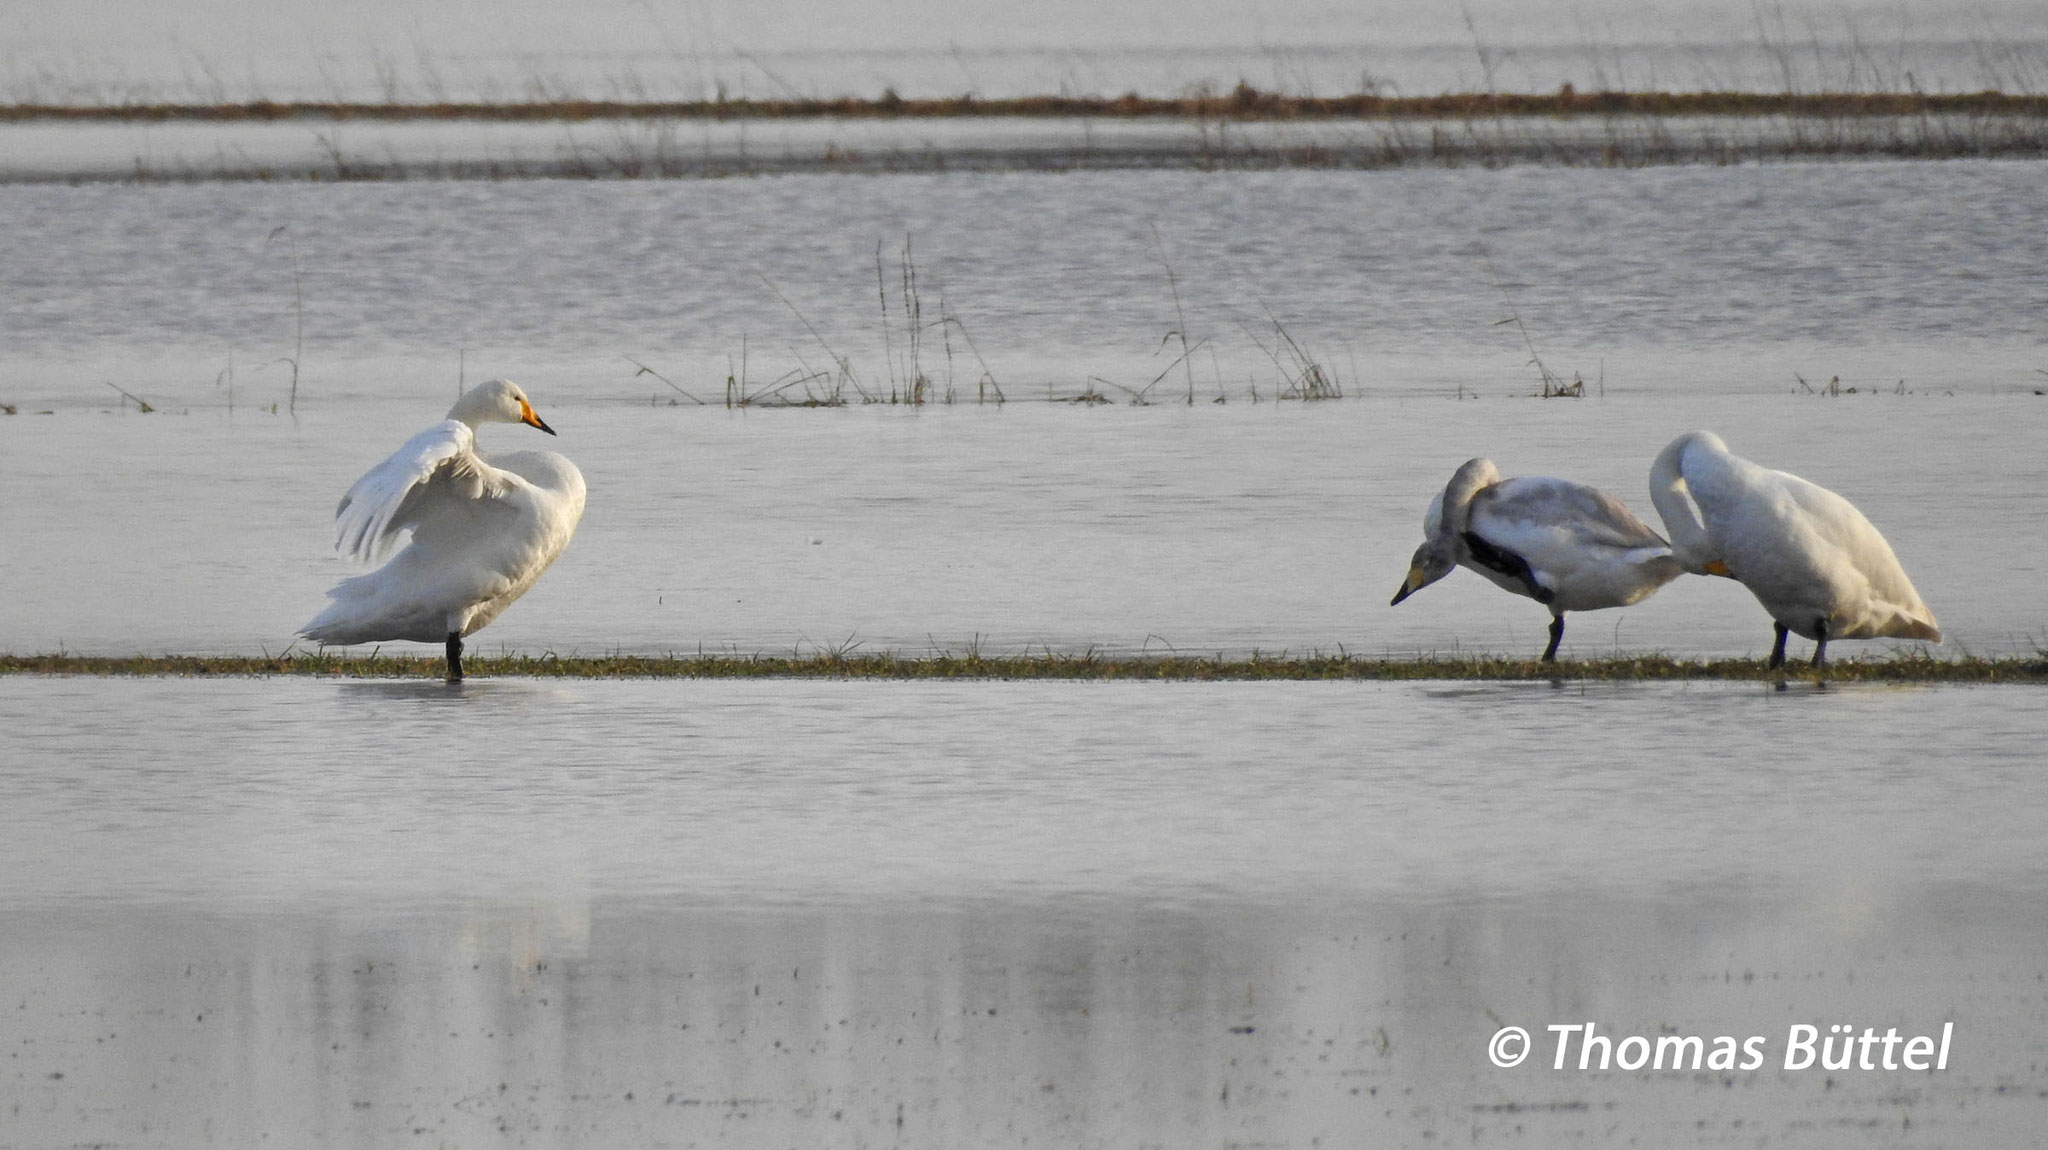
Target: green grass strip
[
  {"x": 1243, "y": 102},
  {"x": 1898, "y": 668}
]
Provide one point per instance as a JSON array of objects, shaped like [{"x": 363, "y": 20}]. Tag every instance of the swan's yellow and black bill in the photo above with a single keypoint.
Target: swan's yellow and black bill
[
  {"x": 1410, "y": 585},
  {"x": 1716, "y": 567},
  {"x": 527, "y": 417}
]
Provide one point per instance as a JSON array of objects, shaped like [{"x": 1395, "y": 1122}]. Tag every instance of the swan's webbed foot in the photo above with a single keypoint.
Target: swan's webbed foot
[{"x": 455, "y": 656}]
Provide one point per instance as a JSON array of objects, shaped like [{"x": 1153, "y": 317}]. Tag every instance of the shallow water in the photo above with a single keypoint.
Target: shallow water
[
  {"x": 1671, "y": 281},
  {"x": 1234, "y": 528},
  {"x": 936, "y": 914},
  {"x": 288, "y": 793}
]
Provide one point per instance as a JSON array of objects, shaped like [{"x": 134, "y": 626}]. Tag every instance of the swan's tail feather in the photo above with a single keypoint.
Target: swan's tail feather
[
  {"x": 1923, "y": 629},
  {"x": 1911, "y": 624},
  {"x": 362, "y": 611}
]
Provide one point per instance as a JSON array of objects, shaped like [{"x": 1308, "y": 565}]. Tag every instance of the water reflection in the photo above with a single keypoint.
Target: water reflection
[
  {"x": 1006, "y": 1023},
  {"x": 357, "y": 692},
  {"x": 340, "y": 791},
  {"x": 943, "y": 914}
]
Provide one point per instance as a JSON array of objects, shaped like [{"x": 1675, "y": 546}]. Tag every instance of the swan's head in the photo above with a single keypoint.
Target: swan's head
[
  {"x": 1436, "y": 558},
  {"x": 499, "y": 401},
  {"x": 1443, "y": 523}
]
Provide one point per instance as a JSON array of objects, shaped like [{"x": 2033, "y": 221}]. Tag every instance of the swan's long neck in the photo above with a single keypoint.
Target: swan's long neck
[
  {"x": 1689, "y": 540},
  {"x": 472, "y": 410},
  {"x": 1469, "y": 480}
]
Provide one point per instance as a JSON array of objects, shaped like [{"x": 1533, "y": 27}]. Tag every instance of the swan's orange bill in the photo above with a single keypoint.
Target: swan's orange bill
[{"x": 527, "y": 417}]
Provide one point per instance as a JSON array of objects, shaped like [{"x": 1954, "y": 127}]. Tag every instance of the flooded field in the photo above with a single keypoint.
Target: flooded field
[
  {"x": 1844, "y": 339},
  {"x": 517, "y": 912}
]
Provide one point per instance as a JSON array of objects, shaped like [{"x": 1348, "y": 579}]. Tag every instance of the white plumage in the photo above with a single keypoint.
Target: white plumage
[
  {"x": 1815, "y": 563},
  {"x": 1566, "y": 545},
  {"x": 483, "y": 529}
]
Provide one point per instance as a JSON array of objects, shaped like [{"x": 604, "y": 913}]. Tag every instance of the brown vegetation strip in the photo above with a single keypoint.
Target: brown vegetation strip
[
  {"x": 1242, "y": 103},
  {"x": 1900, "y": 668}
]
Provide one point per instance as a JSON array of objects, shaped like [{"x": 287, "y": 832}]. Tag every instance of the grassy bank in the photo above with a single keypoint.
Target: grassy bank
[
  {"x": 1242, "y": 129},
  {"x": 1244, "y": 103},
  {"x": 1903, "y": 668}
]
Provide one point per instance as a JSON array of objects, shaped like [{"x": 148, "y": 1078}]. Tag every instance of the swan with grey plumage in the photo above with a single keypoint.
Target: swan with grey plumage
[{"x": 1568, "y": 546}]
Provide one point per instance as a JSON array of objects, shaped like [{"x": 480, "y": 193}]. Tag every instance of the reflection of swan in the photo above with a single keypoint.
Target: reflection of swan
[
  {"x": 1563, "y": 544},
  {"x": 1807, "y": 554},
  {"x": 482, "y": 530}
]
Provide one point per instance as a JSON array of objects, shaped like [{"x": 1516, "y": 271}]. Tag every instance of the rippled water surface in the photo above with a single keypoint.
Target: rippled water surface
[{"x": 1674, "y": 281}]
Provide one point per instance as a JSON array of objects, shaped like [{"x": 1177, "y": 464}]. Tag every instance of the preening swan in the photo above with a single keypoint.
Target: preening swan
[
  {"x": 1566, "y": 545},
  {"x": 1813, "y": 561},
  {"x": 482, "y": 530}
]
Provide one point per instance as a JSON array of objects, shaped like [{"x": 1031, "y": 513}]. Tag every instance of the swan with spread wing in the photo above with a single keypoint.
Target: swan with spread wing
[{"x": 482, "y": 530}]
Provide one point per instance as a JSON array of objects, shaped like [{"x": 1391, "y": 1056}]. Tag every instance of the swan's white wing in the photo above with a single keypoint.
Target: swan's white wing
[
  {"x": 1561, "y": 513},
  {"x": 440, "y": 462},
  {"x": 1858, "y": 560},
  {"x": 1582, "y": 545}
]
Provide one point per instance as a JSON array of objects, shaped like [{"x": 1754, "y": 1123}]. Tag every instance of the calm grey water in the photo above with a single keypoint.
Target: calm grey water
[
  {"x": 750, "y": 914},
  {"x": 1666, "y": 280},
  {"x": 1214, "y": 528}
]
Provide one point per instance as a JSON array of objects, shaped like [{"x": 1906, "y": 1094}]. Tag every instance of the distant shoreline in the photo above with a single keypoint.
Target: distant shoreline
[
  {"x": 1246, "y": 130},
  {"x": 1893, "y": 668}
]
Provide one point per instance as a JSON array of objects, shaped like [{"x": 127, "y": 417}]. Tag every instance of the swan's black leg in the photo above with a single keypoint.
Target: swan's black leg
[
  {"x": 1820, "y": 643},
  {"x": 455, "y": 656},
  {"x": 1778, "y": 652},
  {"x": 1556, "y": 637}
]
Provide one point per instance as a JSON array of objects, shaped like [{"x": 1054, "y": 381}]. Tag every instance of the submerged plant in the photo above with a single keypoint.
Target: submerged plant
[
  {"x": 141, "y": 405},
  {"x": 1303, "y": 375},
  {"x": 910, "y": 383},
  {"x": 1550, "y": 384},
  {"x": 298, "y": 310}
]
